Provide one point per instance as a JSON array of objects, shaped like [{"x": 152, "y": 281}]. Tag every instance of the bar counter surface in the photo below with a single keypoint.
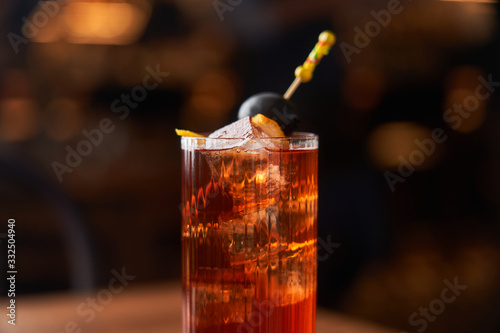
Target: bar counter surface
[{"x": 152, "y": 308}]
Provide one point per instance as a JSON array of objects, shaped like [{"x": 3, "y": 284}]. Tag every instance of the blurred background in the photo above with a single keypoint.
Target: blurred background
[{"x": 405, "y": 105}]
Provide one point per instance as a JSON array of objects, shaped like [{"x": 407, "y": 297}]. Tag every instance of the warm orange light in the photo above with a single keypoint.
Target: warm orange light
[
  {"x": 473, "y": 110},
  {"x": 391, "y": 142},
  {"x": 464, "y": 109},
  {"x": 479, "y": 1},
  {"x": 18, "y": 119},
  {"x": 213, "y": 94},
  {"x": 463, "y": 77},
  {"x": 96, "y": 22}
]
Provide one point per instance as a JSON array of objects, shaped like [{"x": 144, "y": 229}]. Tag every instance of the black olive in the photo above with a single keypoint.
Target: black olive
[{"x": 273, "y": 106}]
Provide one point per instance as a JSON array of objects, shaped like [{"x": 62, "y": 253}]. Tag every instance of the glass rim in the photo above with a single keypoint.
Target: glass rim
[{"x": 296, "y": 141}]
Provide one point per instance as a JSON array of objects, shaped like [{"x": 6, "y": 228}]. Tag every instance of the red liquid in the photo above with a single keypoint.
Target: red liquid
[{"x": 249, "y": 241}]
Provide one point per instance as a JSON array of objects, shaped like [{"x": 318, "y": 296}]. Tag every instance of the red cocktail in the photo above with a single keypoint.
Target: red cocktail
[{"x": 249, "y": 234}]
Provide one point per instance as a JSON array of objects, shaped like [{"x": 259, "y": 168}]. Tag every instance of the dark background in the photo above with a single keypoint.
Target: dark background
[{"x": 119, "y": 206}]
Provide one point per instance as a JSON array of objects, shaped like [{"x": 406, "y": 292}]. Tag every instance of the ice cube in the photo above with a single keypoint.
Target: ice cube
[
  {"x": 294, "y": 278},
  {"x": 241, "y": 133},
  {"x": 253, "y": 235},
  {"x": 243, "y": 128},
  {"x": 220, "y": 304}
]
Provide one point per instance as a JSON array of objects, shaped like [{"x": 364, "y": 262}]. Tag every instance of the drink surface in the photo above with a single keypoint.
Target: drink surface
[{"x": 249, "y": 240}]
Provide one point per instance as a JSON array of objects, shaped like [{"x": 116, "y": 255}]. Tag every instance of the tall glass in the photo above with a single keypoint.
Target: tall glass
[{"x": 249, "y": 234}]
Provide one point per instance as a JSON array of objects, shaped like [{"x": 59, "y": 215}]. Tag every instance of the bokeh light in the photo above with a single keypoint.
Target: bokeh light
[
  {"x": 19, "y": 119},
  {"x": 391, "y": 142},
  {"x": 95, "y": 22}
]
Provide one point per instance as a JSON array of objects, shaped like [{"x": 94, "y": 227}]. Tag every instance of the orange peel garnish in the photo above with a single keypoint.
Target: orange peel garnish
[
  {"x": 268, "y": 126},
  {"x": 181, "y": 132}
]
